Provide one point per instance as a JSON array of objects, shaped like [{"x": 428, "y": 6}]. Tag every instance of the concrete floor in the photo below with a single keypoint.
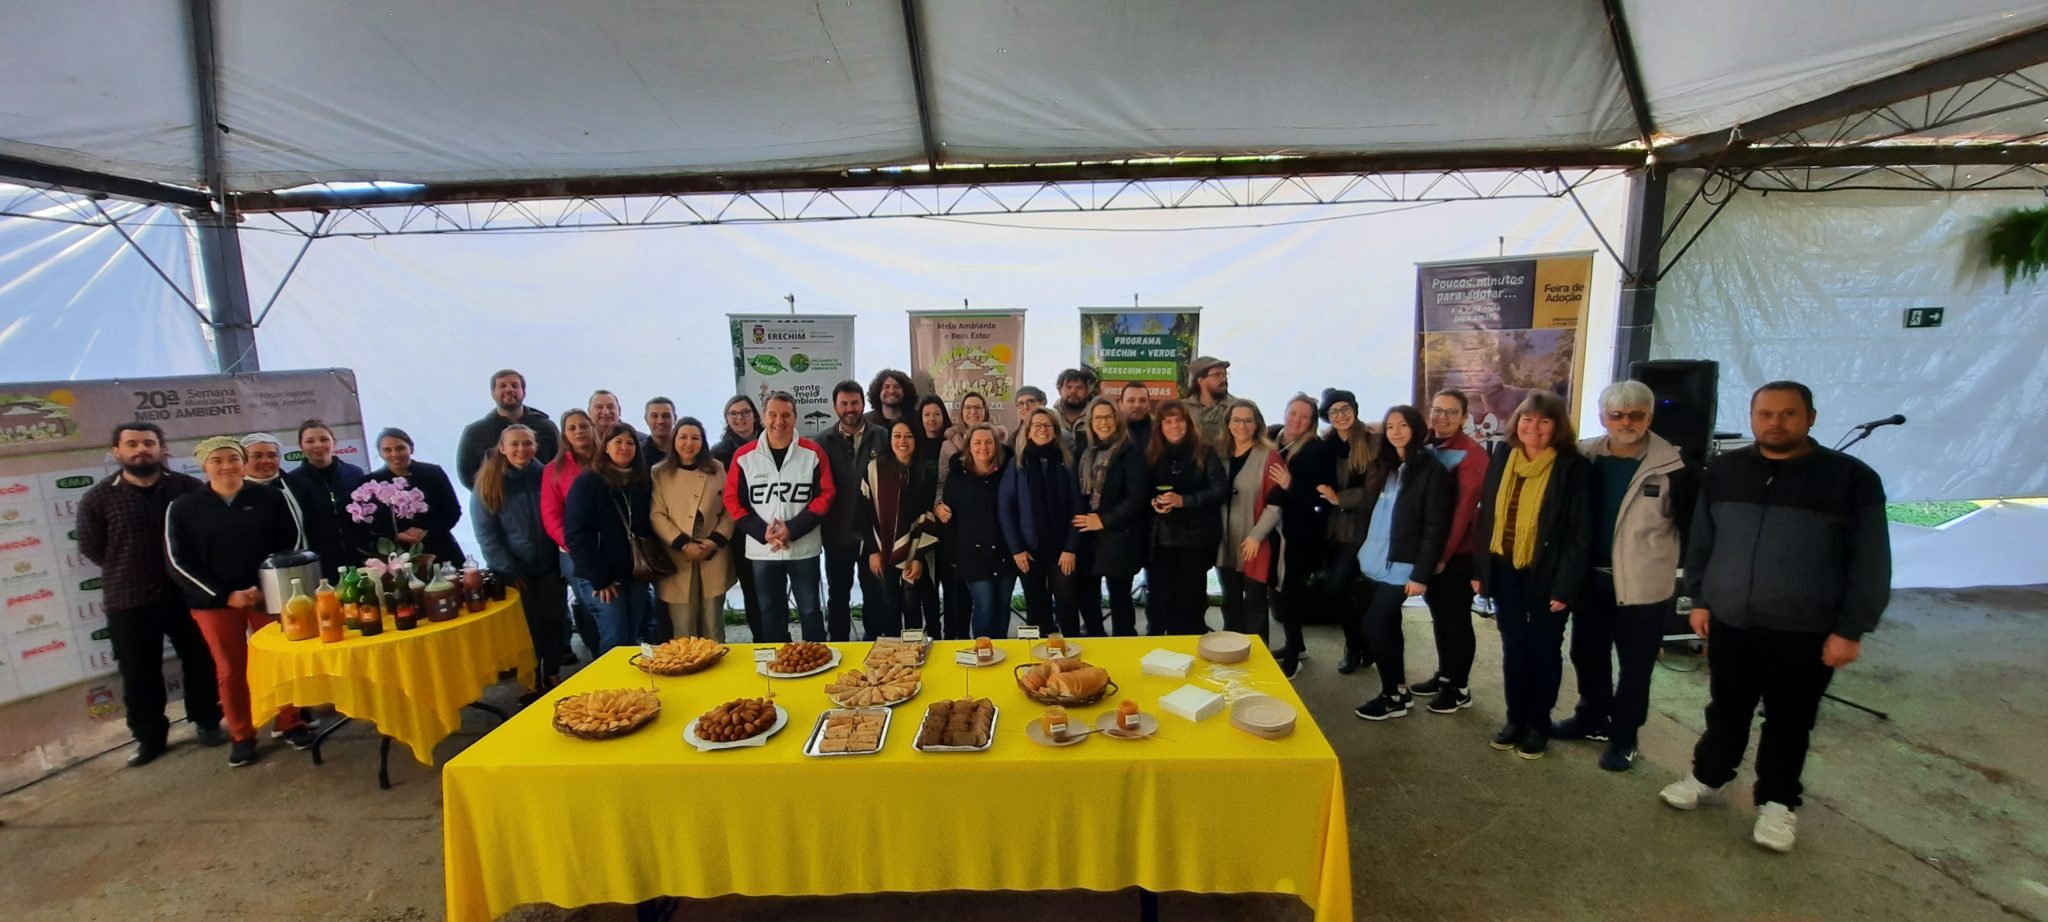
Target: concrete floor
[{"x": 1939, "y": 813}]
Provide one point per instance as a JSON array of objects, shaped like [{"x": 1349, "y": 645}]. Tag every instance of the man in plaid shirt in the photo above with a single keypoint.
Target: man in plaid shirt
[{"x": 121, "y": 528}]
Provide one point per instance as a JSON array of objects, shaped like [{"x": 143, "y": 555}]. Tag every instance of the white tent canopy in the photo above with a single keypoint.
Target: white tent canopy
[{"x": 439, "y": 91}]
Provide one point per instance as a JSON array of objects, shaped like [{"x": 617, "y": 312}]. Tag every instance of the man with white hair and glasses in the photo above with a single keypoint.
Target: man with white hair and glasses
[{"x": 1643, "y": 490}]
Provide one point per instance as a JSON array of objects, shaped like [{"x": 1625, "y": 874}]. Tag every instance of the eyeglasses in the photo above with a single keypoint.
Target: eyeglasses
[
  {"x": 1441, "y": 413},
  {"x": 1337, "y": 411},
  {"x": 1634, "y": 416},
  {"x": 738, "y": 414}
]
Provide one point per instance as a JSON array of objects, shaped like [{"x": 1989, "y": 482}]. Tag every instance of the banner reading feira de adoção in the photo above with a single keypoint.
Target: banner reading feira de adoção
[{"x": 1498, "y": 329}]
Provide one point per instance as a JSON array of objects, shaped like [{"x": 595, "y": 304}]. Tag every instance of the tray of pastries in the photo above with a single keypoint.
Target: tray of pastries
[
  {"x": 875, "y": 686},
  {"x": 849, "y": 732},
  {"x": 958, "y": 725},
  {"x": 606, "y": 713},
  {"x": 889, "y": 651},
  {"x": 1066, "y": 682},
  {"x": 681, "y": 656},
  {"x": 739, "y": 722},
  {"x": 796, "y": 660}
]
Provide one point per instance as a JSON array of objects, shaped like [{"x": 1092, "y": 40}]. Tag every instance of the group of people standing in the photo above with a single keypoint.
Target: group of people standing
[{"x": 622, "y": 538}]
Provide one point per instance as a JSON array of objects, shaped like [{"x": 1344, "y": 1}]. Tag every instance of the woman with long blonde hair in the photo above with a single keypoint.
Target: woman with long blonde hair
[{"x": 505, "y": 510}]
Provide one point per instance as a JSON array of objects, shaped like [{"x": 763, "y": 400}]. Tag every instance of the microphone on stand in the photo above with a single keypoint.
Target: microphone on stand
[{"x": 1896, "y": 419}]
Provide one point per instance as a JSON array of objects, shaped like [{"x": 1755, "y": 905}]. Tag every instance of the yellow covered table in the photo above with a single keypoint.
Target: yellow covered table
[
  {"x": 411, "y": 684},
  {"x": 533, "y": 816}
]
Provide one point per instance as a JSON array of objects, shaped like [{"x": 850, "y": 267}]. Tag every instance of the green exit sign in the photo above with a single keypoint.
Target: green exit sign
[{"x": 1923, "y": 318}]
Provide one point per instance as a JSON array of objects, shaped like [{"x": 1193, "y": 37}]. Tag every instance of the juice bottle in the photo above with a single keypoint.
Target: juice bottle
[
  {"x": 473, "y": 595},
  {"x": 369, "y": 605},
  {"x": 327, "y": 609},
  {"x": 404, "y": 605},
  {"x": 443, "y": 601},
  {"x": 299, "y": 620},
  {"x": 494, "y": 586}
]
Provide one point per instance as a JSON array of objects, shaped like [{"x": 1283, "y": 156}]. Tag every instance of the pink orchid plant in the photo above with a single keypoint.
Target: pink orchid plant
[{"x": 397, "y": 499}]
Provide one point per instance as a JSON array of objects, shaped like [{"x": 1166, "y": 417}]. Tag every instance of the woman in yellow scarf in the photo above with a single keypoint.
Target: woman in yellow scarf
[{"x": 1531, "y": 552}]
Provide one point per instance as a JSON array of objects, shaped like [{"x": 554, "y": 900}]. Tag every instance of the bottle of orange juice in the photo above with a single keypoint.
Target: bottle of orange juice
[
  {"x": 327, "y": 609},
  {"x": 300, "y": 623}
]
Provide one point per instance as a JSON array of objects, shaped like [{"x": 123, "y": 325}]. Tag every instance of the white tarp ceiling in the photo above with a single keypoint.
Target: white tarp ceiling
[{"x": 449, "y": 91}]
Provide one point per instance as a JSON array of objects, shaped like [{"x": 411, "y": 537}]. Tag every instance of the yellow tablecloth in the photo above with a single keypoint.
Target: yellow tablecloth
[
  {"x": 533, "y": 816},
  {"x": 411, "y": 684}
]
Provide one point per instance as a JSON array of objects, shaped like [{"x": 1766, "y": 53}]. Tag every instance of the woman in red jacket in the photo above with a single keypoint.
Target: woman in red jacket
[{"x": 579, "y": 447}]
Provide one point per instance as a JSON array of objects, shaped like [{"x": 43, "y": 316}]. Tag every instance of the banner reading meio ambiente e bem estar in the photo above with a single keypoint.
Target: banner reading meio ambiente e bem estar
[
  {"x": 1500, "y": 328},
  {"x": 804, "y": 354},
  {"x": 953, "y": 352}
]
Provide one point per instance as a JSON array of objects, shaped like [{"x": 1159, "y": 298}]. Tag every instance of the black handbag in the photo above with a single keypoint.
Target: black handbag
[{"x": 651, "y": 561}]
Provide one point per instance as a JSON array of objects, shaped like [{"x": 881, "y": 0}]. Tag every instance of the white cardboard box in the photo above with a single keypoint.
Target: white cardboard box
[{"x": 1167, "y": 663}]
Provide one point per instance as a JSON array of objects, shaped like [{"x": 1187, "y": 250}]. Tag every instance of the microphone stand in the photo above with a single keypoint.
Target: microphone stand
[{"x": 1844, "y": 444}]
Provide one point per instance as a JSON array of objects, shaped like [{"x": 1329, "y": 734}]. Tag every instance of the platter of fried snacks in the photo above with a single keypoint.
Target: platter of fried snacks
[
  {"x": 958, "y": 725},
  {"x": 681, "y": 656},
  {"x": 875, "y": 686},
  {"x": 606, "y": 713},
  {"x": 736, "y": 723},
  {"x": 889, "y": 651},
  {"x": 796, "y": 660},
  {"x": 849, "y": 732}
]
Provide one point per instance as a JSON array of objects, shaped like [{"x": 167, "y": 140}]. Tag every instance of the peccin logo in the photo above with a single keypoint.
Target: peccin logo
[
  {"x": 22, "y": 544},
  {"x": 54, "y": 646},
  {"x": 35, "y": 596},
  {"x": 14, "y": 489}
]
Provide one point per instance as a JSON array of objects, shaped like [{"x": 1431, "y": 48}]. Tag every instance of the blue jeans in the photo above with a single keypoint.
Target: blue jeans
[
  {"x": 991, "y": 599},
  {"x": 774, "y": 580},
  {"x": 619, "y": 620},
  {"x": 582, "y": 623}
]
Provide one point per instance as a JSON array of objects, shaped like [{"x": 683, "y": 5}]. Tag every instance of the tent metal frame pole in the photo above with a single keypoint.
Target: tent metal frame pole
[
  {"x": 1631, "y": 72},
  {"x": 220, "y": 239},
  {"x": 913, "y": 33},
  {"x": 1642, "y": 249},
  {"x": 2004, "y": 56}
]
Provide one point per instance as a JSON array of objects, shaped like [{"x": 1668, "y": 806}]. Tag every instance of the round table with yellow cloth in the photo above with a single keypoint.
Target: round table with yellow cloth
[{"x": 411, "y": 684}]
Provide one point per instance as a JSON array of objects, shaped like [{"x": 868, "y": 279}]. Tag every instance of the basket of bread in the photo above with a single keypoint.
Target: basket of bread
[
  {"x": 1066, "y": 682},
  {"x": 607, "y": 713},
  {"x": 875, "y": 686},
  {"x": 681, "y": 656}
]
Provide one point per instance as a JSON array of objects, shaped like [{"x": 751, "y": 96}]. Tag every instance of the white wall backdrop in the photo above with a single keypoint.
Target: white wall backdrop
[
  {"x": 1815, "y": 288},
  {"x": 1298, "y": 298}
]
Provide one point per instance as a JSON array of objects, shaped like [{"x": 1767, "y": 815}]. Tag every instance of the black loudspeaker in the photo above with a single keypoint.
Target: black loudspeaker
[{"x": 1688, "y": 398}]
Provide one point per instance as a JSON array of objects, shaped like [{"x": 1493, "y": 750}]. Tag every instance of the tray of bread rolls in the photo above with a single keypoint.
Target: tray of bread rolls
[
  {"x": 849, "y": 732},
  {"x": 1067, "y": 682},
  {"x": 957, "y": 725}
]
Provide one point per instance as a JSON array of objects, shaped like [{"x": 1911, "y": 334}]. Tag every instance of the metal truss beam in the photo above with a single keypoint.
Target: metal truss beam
[
  {"x": 1164, "y": 168},
  {"x": 1044, "y": 198},
  {"x": 913, "y": 35},
  {"x": 2028, "y": 177},
  {"x": 86, "y": 182},
  {"x": 1985, "y": 62}
]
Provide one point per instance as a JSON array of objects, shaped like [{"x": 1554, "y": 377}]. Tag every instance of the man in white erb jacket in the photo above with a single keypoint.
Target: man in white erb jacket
[{"x": 778, "y": 489}]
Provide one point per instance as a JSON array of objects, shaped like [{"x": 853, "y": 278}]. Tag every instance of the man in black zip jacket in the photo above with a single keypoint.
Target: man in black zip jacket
[
  {"x": 1789, "y": 566},
  {"x": 848, "y": 447}
]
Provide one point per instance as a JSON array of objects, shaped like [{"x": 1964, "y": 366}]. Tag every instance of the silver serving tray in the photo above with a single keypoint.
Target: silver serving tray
[
  {"x": 818, "y": 732},
  {"x": 995, "y": 719}
]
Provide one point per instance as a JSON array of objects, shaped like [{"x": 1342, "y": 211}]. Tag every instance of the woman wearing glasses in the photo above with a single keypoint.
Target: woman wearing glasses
[{"x": 742, "y": 425}]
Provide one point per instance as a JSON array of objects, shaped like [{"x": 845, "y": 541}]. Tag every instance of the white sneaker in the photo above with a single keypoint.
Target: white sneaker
[
  {"x": 1776, "y": 827},
  {"x": 1690, "y": 794}
]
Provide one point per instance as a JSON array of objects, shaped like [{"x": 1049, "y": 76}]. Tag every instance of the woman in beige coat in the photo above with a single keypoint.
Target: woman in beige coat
[{"x": 690, "y": 518}]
